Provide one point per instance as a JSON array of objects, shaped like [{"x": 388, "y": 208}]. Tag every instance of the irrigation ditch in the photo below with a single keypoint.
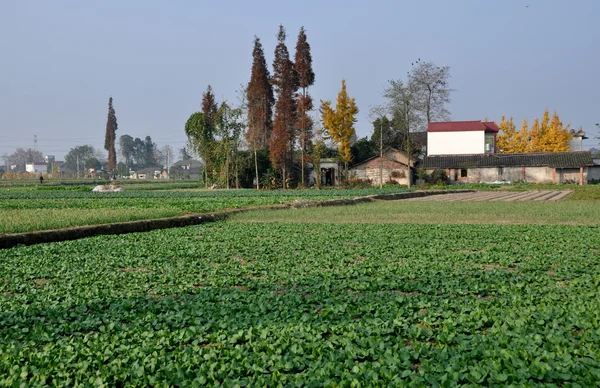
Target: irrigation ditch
[{"x": 74, "y": 233}]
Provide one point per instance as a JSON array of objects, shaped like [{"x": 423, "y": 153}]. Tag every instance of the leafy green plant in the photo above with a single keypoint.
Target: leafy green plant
[{"x": 270, "y": 304}]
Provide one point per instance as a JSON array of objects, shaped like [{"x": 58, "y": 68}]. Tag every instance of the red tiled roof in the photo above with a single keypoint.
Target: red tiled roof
[
  {"x": 451, "y": 126},
  {"x": 491, "y": 126}
]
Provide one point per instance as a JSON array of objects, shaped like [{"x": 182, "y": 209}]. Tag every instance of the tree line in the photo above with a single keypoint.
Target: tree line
[{"x": 545, "y": 135}]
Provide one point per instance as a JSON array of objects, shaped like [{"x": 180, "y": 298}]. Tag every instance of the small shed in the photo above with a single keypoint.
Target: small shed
[
  {"x": 331, "y": 173},
  {"x": 392, "y": 167}
]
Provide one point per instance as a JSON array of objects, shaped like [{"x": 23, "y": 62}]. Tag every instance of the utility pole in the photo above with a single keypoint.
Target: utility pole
[
  {"x": 77, "y": 166},
  {"x": 381, "y": 153},
  {"x": 168, "y": 160}
]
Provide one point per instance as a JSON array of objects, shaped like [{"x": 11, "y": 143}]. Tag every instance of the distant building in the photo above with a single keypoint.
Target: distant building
[
  {"x": 37, "y": 167},
  {"x": 576, "y": 142},
  {"x": 392, "y": 168},
  {"x": 461, "y": 138}
]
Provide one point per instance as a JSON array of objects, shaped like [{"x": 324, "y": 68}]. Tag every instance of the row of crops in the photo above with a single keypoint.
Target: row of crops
[
  {"x": 289, "y": 304},
  {"x": 25, "y": 209}
]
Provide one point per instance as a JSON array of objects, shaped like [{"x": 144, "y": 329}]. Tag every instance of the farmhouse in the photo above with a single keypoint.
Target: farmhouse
[
  {"x": 36, "y": 167},
  {"x": 466, "y": 151},
  {"x": 461, "y": 138},
  {"x": 391, "y": 167}
]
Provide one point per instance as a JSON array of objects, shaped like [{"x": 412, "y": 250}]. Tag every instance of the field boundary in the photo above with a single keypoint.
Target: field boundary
[{"x": 78, "y": 232}]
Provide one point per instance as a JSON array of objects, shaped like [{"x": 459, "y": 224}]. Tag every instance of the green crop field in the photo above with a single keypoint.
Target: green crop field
[
  {"x": 305, "y": 304},
  {"x": 493, "y": 212},
  {"x": 32, "y": 208}
]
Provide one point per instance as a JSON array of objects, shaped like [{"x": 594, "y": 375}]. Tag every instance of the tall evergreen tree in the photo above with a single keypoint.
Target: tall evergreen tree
[
  {"x": 110, "y": 137},
  {"x": 208, "y": 128},
  {"x": 260, "y": 100},
  {"x": 209, "y": 108},
  {"x": 306, "y": 78},
  {"x": 150, "y": 156},
  {"x": 285, "y": 82}
]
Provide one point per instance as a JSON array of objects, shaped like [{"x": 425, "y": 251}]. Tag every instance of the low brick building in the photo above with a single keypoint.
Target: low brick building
[
  {"x": 555, "y": 167},
  {"x": 392, "y": 168}
]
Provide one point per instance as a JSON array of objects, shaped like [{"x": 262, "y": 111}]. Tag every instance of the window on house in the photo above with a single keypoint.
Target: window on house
[{"x": 463, "y": 173}]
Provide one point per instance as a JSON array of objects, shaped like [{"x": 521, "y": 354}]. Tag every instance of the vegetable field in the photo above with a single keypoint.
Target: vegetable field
[
  {"x": 25, "y": 209},
  {"x": 300, "y": 304}
]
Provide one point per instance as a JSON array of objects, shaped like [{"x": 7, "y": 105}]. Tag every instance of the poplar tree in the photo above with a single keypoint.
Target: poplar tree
[
  {"x": 339, "y": 123},
  {"x": 306, "y": 78},
  {"x": 110, "y": 137},
  {"x": 285, "y": 83},
  {"x": 210, "y": 111},
  {"x": 259, "y": 96}
]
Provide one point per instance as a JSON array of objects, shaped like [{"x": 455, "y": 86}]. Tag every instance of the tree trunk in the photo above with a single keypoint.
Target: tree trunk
[{"x": 256, "y": 169}]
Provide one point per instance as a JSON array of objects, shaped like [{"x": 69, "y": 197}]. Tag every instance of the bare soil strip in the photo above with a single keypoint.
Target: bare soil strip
[{"x": 533, "y": 195}]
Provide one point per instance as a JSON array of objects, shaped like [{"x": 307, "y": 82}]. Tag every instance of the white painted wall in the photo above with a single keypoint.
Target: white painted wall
[
  {"x": 456, "y": 143},
  {"x": 36, "y": 167}
]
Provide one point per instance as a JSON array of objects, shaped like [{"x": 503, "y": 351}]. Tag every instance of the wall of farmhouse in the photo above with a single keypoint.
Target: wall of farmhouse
[
  {"x": 392, "y": 172},
  {"x": 456, "y": 143},
  {"x": 512, "y": 174},
  {"x": 593, "y": 174},
  {"x": 569, "y": 175}
]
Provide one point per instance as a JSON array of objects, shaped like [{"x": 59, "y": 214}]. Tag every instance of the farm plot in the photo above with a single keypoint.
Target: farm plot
[
  {"x": 42, "y": 208},
  {"x": 268, "y": 304},
  {"x": 532, "y": 195},
  {"x": 439, "y": 212}
]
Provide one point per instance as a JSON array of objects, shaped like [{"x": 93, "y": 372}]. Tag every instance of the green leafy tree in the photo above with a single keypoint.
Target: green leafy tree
[
  {"x": 228, "y": 127},
  {"x": 110, "y": 137},
  {"x": 150, "y": 152},
  {"x": 364, "y": 149},
  {"x": 126, "y": 146},
  {"x": 80, "y": 158},
  {"x": 200, "y": 139}
]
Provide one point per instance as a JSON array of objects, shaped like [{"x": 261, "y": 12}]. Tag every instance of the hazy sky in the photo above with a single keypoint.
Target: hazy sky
[{"x": 61, "y": 60}]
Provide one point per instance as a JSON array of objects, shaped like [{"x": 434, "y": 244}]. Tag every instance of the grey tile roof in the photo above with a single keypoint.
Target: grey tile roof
[{"x": 546, "y": 159}]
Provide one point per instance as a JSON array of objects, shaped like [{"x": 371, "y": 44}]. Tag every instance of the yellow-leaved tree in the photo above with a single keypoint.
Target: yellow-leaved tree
[
  {"x": 535, "y": 136},
  {"x": 549, "y": 135},
  {"x": 505, "y": 141},
  {"x": 522, "y": 138},
  {"x": 338, "y": 123},
  {"x": 556, "y": 137}
]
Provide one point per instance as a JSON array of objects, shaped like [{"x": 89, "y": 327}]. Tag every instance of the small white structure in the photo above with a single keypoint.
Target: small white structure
[
  {"x": 107, "y": 189},
  {"x": 461, "y": 138},
  {"x": 36, "y": 167}
]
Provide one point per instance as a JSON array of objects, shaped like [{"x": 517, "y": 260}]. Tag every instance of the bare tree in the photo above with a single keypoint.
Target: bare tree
[
  {"x": 167, "y": 156},
  {"x": 402, "y": 100},
  {"x": 432, "y": 91}
]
